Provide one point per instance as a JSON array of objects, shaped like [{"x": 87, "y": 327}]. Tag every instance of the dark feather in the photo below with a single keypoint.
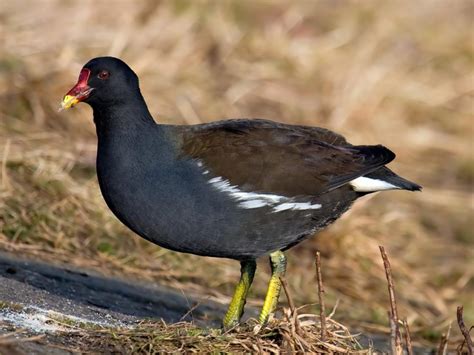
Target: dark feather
[{"x": 265, "y": 156}]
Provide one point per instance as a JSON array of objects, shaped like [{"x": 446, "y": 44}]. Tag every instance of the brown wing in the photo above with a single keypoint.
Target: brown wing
[{"x": 265, "y": 156}]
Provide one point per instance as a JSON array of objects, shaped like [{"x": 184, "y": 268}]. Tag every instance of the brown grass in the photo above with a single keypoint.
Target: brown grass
[
  {"x": 183, "y": 337},
  {"x": 396, "y": 73}
]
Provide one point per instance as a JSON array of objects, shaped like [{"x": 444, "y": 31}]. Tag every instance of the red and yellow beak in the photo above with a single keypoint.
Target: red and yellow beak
[{"x": 79, "y": 92}]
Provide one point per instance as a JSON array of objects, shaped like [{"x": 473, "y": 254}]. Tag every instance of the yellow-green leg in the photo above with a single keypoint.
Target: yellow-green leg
[
  {"x": 236, "y": 306},
  {"x": 278, "y": 265}
]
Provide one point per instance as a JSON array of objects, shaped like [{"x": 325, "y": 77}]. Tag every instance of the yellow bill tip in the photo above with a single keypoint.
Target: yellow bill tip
[{"x": 68, "y": 102}]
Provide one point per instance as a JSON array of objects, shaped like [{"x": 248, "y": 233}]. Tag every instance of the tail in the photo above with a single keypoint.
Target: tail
[{"x": 383, "y": 179}]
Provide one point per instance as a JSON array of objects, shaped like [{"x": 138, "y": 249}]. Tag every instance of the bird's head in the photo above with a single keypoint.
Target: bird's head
[{"x": 103, "y": 81}]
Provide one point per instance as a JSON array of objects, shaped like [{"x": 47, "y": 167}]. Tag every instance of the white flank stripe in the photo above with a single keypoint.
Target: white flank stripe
[
  {"x": 253, "y": 204},
  {"x": 249, "y": 200},
  {"x": 365, "y": 184},
  {"x": 296, "y": 206}
]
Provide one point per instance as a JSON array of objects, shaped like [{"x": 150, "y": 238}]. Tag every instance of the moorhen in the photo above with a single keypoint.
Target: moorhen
[{"x": 237, "y": 189}]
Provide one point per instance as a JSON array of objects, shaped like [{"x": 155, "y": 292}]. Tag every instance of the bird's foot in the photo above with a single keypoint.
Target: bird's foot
[
  {"x": 278, "y": 265},
  {"x": 236, "y": 306}
]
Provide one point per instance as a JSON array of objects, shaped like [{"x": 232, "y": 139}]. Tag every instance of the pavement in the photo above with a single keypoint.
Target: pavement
[{"x": 32, "y": 293}]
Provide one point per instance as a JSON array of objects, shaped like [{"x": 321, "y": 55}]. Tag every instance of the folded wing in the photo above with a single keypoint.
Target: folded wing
[{"x": 269, "y": 157}]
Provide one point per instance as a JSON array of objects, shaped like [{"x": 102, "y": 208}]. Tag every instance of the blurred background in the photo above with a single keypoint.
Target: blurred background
[{"x": 395, "y": 73}]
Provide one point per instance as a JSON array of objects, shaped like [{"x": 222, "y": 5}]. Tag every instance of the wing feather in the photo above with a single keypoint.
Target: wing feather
[{"x": 265, "y": 156}]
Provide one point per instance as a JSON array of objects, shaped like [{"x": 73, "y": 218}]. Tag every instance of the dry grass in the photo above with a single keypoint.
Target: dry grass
[
  {"x": 397, "y": 73},
  {"x": 184, "y": 337}
]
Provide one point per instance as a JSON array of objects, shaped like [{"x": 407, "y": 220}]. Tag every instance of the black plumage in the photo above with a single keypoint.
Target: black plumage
[{"x": 237, "y": 189}]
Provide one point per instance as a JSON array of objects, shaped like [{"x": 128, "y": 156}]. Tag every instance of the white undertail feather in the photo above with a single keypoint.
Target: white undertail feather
[{"x": 365, "y": 184}]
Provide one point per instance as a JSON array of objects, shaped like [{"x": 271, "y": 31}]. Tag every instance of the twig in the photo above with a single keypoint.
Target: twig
[
  {"x": 333, "y": 312},
  {"x": 407, "y": 337},
  {"x": 290, "y": 303},
  {"x": 443, "y": 344},
  {"x": 322, "y": 308},
  {"x": 464, "y": 331},
  {"x": 9, "y": 338},
  {"x": 190, "y": 311},
  {"x": 7, "y": 335},
  {"x": 395, "y": 337}
]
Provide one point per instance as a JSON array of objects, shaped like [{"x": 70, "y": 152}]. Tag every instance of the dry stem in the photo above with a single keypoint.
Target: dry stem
[
  {"x": 464, "y": 331},
  {"x": 407, "y": 337},
  {"x": 322, "y": 310},
  {"x": 395, "y": 337},
  {"x": 294, "y": 311},
  {"x": 443, "y": 344}
]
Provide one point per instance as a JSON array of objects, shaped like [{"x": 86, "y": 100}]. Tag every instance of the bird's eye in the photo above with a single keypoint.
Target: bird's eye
[{"x": 103, "y": 75}]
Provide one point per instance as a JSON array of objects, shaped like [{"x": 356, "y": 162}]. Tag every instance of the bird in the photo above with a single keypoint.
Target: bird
[{"x": 237, "y": 188}]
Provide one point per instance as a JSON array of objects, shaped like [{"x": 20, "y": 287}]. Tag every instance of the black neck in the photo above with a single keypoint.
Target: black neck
[{"x": 128, "y": 116}]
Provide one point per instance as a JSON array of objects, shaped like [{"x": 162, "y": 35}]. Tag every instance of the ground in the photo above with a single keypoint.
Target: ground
[
  {"x": 394, "y": 73},
  {"x": 50, "y": 300},
  {"x": 46, "y": 307}
]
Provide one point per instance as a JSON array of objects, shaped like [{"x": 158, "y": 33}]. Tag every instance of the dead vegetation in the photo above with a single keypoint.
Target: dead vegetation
[
  {"x": 398, "y": 73},
  {"x": 152, "y": 337}
]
